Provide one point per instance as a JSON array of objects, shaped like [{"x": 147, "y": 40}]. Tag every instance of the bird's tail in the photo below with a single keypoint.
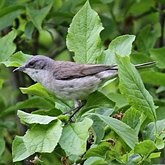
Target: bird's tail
[
  {"x": 141, "y": 66},
  {"x": 146, "y": 65}
]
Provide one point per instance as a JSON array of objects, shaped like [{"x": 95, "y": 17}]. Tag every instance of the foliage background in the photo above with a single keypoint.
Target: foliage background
[{"x": 41, "y": 28}]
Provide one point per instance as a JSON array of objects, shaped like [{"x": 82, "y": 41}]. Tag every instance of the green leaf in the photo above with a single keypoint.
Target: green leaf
[
  {"x": 134, "y": 119},
  {"x": 7, "y": 47},
  {"x": 155, "y": 155},
  {"x": 120, "y": 45},
  {"x": 139, "y": 57},
  {"x": 160, "y": 89},
  {"x": 98, "y": 99},
  {"x": 95, "y": 161},
  {"x": 40, "y": 138},
  {"x": 2, "y": 145},
  {"x": 123, "y": 130},
  {"x": 159, "y": 142},
  {"x": 34, "y": 118},
  {"x": 153, "y": 77},
  {"x": 145, "y": 148},
  {"x": 17, "y": 59},
  {"x": 47, "y": 159},
  {"x": 83, "y": 35},
  {"x": 158, "y": 56},
  {"x": 139, "y": 7},
  {"x": 9, "y": 14},
  {"x": 99, "y": 151},
  {"x": 98, "y": 129},
  {"x": 148, "y": 37},
  {"x": 69, "y": 6},
  {"x": 74, "y": 137},
  {"x": 52, "y": 112},
  {"x": 119, "y": 99},
  {"x": 150, "y": 129},
  {"x": 37, "y": 90},
  {"x": 132, "y": 159},
  {"x": 38, "y": 11},
  {"x": 35, "y": 102},
  {"x": 133, "y": 88},
  {"x": 160, "y": 111},
  {"x": 29, "y": 28},
  {"x": 19, "y": 149}
]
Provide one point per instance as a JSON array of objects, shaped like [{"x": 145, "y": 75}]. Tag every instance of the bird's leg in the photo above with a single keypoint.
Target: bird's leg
[{"x": 78, "y": 105}]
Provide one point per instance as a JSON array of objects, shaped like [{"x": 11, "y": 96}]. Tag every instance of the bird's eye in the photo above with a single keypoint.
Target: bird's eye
[{"x": 31, "y": 64}]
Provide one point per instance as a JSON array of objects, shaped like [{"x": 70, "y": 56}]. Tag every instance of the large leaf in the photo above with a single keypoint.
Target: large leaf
[
  {"x": 121, "y": 45},
  {"x": 35, "y": 102},
  {"x": 123, "y": 130},
  {"x": 35, "y": 118},
  {"x": 17, "y": 59},
  {"x": 38, "y": 90},
  {"x": 133, "y": 88},
  {"x": 83, "y": 35},
  {"x": 40, "y": 138},
  {"x": 74, "y": 137},
  {"x": 7, "y": 47},
  {"x": 37, "y": 12}
]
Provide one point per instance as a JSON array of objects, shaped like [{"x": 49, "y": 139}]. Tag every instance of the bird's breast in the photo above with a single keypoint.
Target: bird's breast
[{"x": 77, "y": 88}]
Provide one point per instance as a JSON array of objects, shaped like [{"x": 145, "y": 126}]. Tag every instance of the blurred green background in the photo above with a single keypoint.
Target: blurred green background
[{"x": 42, "y": 28}]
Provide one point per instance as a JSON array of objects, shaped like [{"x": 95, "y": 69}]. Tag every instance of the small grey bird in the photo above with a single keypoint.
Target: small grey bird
[{"x": 69, "y": 80}]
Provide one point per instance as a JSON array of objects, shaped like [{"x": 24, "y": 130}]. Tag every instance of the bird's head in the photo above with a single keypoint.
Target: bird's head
[{"x": 36, "y": 67}]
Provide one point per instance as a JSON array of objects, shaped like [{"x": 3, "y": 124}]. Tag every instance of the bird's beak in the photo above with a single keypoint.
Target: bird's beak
[{"x": 21, "y": 69}]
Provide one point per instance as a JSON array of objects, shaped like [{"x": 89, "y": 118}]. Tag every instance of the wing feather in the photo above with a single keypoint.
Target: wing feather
[{"x": 71, "y": 70}]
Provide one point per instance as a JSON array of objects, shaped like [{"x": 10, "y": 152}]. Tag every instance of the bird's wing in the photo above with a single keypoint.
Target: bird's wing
[{"x": 71, "y": 70}]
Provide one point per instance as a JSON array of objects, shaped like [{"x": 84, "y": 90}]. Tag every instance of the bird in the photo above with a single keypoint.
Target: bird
[{"x": 69, "y": 80}]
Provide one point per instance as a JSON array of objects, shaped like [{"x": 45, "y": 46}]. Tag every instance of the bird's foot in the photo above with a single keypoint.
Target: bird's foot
[{"x": 79, "y": 104}]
